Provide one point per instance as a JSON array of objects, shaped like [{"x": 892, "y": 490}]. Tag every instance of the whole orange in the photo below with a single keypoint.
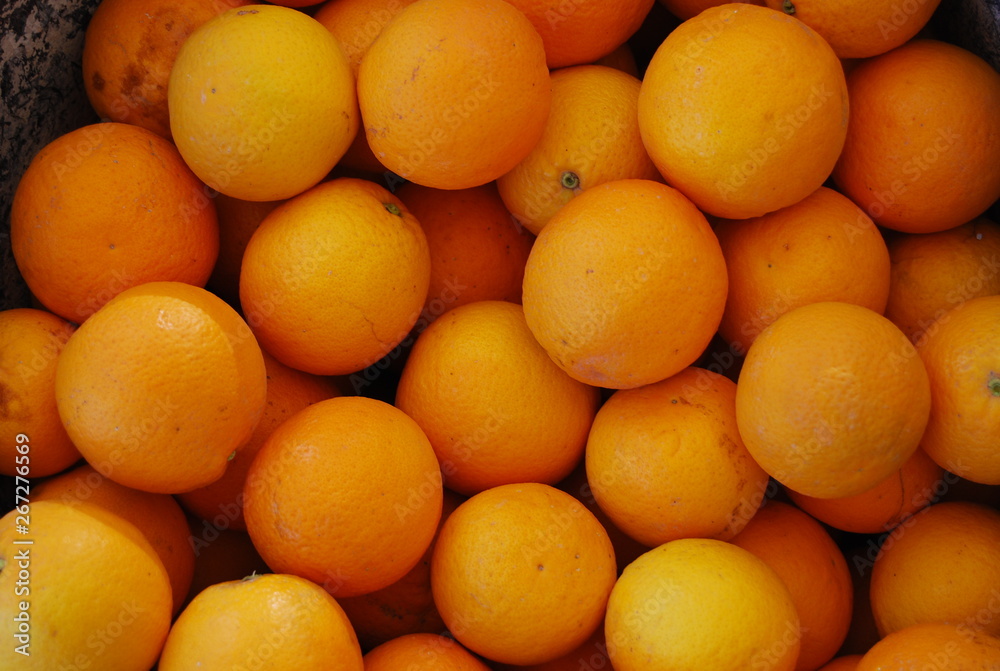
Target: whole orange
[
  {"x": 335, "y": 278},
  {"x": 422, "y": 652},
  {"x": 495, "y": 407},
  {"x": 938, "y": 646},
  {"x": 591, "y": 137},
  {"x": 813, "y": 568},
  {"x": 33, "y": 442},
  {"x": 160, "y": 387},
  {"x": 346, "y": 493},
  {"x": 454, "y": 93},
  {"x": 733, "y": 116},
  {"x": 282, "y": 621},
  {"x": 823, "y": 248},
  {"x": 923, "y": 146},
  {"x": 262, "y": 102},
  {"x": 666, "y": 461},
  {"x": 694, "y": 604},
  {"x": 104, "y": 208},
  {"x": 932, "y": 273},
  {"x": 521, "y": 573},
  {"x": 625, "y": 285},
  {"x": 92, "y": 591},
  {"x": 832, "y": 399}
]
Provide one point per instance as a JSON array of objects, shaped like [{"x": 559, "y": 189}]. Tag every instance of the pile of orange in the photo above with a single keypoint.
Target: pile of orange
[{"x": 477, "y": 335}]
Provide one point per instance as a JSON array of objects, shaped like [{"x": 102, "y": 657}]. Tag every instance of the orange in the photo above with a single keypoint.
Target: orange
[
  {"x": 686, "y": 9},
  {"x": 521, "y": 573},
  {"x": 934, "y": 272},
  {"x": 157, "y": 516},
  {"x": 422, "y": 652},
  {"x": 694, "y": 604},
  {"x": 33, "y": 442},
  {"x": 962, "y": 356},
  {"x": 238, "y": 219},
  {"x": 129, "y": 49},
  {"x": 832, "y": 399},
  {"x": 942, "y": 566},
  {"x": 104, "y": 208},
  {"x": 288, "y": 391},
  {"x": 346, "y": 493},
  {"x": 221, "y": 555},
  {"x": 917, "y": 484},
  {"x": 583, "y": 31},
  {"x": 495, "y": 407},
  {"x": 923, "y": 146},
  {"x": 477, "y": 249},
  {"x": 937, "y": 646},
  {"x": 334, "y": 279},
  {"x": 591, "y": 137},
  {"x": 813, "y": 568},
  {"x": 282, "y": 621},
  {"x": 262, "y": 102},
  {"x": 160, "y": 386},
  {"x": 845, "y": 663},
  {"x": 732, "y": 116},
  {"x": 454, "y": 93},
  {"x": 407, "y": 605},
  {"x": 625, "y": 285},
  {"x": 666, "y": 461},
  {"x": 89, "y": 591},
  {"x": 823, "y": 248}
]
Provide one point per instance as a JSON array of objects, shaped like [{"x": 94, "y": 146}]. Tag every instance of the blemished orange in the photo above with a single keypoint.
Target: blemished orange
[
  {"x": 238, "y": 219},
  {"x": 407, "y": 605},
  {"x": 666, "y": 461},
  {"x": 521, "y": 573},
  {"x": 288, "y": 391},
  {"x": 942, "y": 566},
  {"x": 935, "y": 272},
  {"x": 262, "y": 102},
  {"x": 495, "y": 407},
  {"x": 221, "y": 555},
  {"x": 591, "y": 137},
  {"x": 106, "y": 207},
  {"x": 584, "y": 30},
  {"x": 284, "y": 621},
  {"x": 859, "y": 29},
  {"x": 477, "y": 250},
  {"x": 734, "y": 120},
  {"x": 745, "y": 615},
  {"x": 422, "y": 652},
  {"x": 823, "y": 248},
  {"x": 157, "y": 516},
  {"x": 33, "y": 442},
  {"x": 832, "y": 399},
  {"x": 938, "y": 646},
  {"x": 98, "y": 594},
  {"x": 346, "y": 493},
  {"x": 128, "y": 51},
  {"x": 686, "y": 9},
  {"x": 962, "y": 355},
  {"x": 917, "y": 484},
  {"x": 445, "y": 84},
  {"x": 625, "y": 285},
  {"x": 160, "y": 387},
  {"x": 923, "y": 146},
  {"x": 812, "y": 566},
  {"x": 844, "y": 663},
  {"x": 335, "y": 278}
]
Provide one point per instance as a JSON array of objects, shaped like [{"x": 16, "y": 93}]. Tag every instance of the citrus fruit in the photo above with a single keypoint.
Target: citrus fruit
[
  {"x": 844, "y": 663},
  {"x": 938, "y": 646},
  {"x": 422, "y": 652},
  {"x": 686, "y": 9}
]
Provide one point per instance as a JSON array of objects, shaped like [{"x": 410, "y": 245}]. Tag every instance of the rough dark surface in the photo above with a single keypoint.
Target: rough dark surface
[{"x": 972, "y": 24}]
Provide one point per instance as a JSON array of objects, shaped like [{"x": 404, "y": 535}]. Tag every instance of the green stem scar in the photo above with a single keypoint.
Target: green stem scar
[
  {"x": 994, "y": 384},
  {"x": 570, "y": 180},
  {"x": 392, "y": 208},
  {"x": 788, "y": 7}
]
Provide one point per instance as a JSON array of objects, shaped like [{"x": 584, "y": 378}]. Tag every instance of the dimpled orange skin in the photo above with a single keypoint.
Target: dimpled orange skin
[
  {"x": 625, "y": 285},
  {"x": 733, "y": 116},
  {"x": 923, "y": 146},
  {"x": 334, "y": 279},
  {"x": 962, "y": 356},
  {"x": 832, "y": 399},
  {"x": 937, "y": 646},
  {"x": 521, "y": 573},
  {"x": 106, "y": 207},
  {"x": 161, "y": 386},
  {"x": 454, "y": 93},
  {"x": 262, "y": 102}
]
